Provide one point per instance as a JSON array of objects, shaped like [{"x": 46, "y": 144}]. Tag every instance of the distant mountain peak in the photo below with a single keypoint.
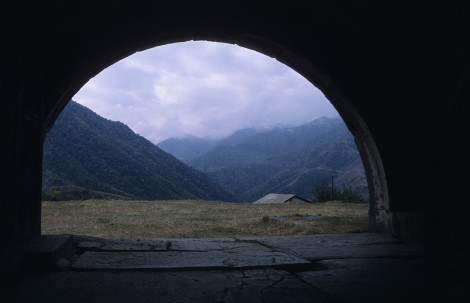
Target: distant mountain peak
[
  {"x": 325, "y": 119},
  {"x": 287, "y": 160}
]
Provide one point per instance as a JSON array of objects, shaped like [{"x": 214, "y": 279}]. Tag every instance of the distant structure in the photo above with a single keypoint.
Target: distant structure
[{"x": 281, "y": 198}]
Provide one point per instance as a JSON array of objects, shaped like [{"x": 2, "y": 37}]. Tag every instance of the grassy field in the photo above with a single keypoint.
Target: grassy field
[{"x": 199, "y": 219}]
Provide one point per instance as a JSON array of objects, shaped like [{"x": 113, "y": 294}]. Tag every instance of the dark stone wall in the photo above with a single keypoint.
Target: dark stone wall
[
  {"x": 21, "y": 157},
  {"x": 397, "y": 73}
]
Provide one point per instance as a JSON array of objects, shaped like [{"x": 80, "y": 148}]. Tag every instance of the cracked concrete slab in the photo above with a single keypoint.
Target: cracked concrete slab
[
  {"x": 314, "y": 268},
  {"x": 352, "y": 238},
  {"x": 43, "y": 252},
  {"x": 169, "y": 244},
  {"x": 370, "y": 280},
  {"x": 46, "y": 244},
  {"x": 264, "y": 285},
  {"x": 183, "y": 260},
  {"x": 336, "y": 246}
]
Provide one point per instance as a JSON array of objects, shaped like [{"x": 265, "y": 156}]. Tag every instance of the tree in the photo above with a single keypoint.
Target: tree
[
  {"x": 52, "y": 195},
  {"x": 323, "y": 192},
  {"x": 346, "y": 194}
]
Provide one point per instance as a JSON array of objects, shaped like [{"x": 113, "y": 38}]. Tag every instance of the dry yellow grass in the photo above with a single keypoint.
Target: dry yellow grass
[{"x": 198, "y": 219}]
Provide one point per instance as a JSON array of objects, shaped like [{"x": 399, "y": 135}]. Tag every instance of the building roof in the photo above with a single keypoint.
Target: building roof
[{"x": 278, "y": 198}]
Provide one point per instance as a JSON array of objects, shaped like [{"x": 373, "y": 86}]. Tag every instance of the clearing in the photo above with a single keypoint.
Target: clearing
[{"x": 200, "y": 219}]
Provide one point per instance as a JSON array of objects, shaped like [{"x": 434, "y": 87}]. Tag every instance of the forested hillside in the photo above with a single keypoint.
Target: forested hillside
[
  {"x": 91, "y": 155},
  {"x": 287, "y": 160}
]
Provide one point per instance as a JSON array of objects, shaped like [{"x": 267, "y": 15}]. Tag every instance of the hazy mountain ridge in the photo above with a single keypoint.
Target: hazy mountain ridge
[
  {"x": 88, "y": 151},
  {"x": 187, "y": 148},
  {"x": 288, "y": 160},
  {"x": 191, "y": 147},
  {"x": 89, "y": 156}
]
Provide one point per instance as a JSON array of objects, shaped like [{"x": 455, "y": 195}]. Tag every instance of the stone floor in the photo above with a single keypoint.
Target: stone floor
[{"x": 359, "y": 267}]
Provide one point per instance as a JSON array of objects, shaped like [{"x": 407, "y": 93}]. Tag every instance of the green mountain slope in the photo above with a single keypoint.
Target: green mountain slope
[
  {"x": 288, "y": 160},
  {"x": 87, "y": 151}
]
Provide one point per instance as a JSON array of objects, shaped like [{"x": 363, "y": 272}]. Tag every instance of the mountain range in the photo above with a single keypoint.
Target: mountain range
[
  {"x": 191, "y": 147},
  {"x": 87, "y": 156},
  {"x": 252, "y": 163}
]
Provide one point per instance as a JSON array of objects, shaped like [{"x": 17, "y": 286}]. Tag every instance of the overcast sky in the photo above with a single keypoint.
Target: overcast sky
[{"x": 204, "y": 89}]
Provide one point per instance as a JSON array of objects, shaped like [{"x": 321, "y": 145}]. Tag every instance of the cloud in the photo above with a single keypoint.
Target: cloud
[{"x": 205, "y": 89}]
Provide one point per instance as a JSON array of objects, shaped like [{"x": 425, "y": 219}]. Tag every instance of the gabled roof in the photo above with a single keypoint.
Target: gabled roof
[{"x": 278, "y": 198}]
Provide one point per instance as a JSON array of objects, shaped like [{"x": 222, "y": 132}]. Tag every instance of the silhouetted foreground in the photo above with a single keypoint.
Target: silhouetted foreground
[{"x": 319, "y": 268}]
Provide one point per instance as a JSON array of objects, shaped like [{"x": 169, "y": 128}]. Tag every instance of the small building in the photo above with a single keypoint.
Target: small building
[{"x": 281, "y": 198}]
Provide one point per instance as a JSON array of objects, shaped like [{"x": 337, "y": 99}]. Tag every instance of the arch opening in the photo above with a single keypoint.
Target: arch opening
[
  {"x": 379, "y": 219},
  {"x": 368, "y": 61}
]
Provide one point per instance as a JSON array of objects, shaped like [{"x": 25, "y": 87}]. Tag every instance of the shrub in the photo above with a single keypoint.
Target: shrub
[
  {"x": 322, "y": 192},
  {"x": 52, "y": 195},
  {"x": 346, "y": 194}
]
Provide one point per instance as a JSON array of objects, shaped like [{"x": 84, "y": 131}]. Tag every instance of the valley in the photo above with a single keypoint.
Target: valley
[{"x": 86, "y": 156}]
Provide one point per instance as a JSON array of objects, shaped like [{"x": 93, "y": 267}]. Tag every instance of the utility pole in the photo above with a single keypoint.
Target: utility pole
[{"x": 332, "y": 188}]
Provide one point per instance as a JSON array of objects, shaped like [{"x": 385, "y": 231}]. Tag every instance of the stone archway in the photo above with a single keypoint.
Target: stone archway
[
  {"x": 379, "y": 220},
  {"x": 335, "y": 48}
]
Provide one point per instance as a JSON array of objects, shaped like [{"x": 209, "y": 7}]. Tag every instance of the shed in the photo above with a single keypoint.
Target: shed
[{"x": 281, "y": 198}]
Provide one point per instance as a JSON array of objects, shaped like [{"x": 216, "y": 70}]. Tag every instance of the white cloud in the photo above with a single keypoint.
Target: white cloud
[
  {"x": 139, "y": 65},
  {"x": 205, "y": 89}
]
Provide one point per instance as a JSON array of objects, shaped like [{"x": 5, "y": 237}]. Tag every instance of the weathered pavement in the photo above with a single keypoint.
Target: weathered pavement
[{"x": 318, "y": 268}]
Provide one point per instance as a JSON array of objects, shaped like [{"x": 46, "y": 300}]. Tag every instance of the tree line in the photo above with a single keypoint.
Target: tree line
[{"x": 323, "y": 192}]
